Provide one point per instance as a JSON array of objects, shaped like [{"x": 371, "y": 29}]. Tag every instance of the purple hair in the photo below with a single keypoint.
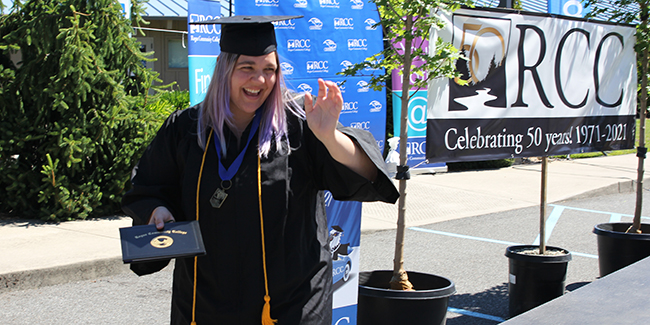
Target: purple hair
[{"x": 216, "y": 109}]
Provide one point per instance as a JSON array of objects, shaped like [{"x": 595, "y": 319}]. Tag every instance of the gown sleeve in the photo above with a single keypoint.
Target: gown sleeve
[
  {"x": 155, "y": 180},
  {"x": 347, "y": 185}
]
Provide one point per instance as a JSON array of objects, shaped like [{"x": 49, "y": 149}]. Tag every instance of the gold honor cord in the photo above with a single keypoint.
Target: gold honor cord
[
  {"x": 266, "y": 310},
  {"x": 196, "y": 258}
]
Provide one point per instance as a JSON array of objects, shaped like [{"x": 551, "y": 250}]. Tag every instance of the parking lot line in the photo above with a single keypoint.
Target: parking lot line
[
  {"x": 612, "y": 214},
  {"x": 495, "y": 241},
  {"x": 474, "y": 314},
  {"x": 551, "y": 221},
  {"x": 444, "y": 233},
  {"x": 615, "y": 217}
]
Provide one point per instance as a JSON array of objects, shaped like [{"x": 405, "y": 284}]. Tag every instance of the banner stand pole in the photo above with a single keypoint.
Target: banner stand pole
[{"x": 542, "y": 208}]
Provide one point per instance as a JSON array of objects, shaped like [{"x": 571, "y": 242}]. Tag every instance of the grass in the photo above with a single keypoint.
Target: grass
[{"x": 614, "y": 152}]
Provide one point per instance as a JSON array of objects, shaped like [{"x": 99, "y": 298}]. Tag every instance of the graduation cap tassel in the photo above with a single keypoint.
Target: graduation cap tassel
[{"x": 266, "y": 310}]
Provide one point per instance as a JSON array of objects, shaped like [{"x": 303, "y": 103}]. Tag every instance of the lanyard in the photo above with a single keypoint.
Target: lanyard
[{"x": 227, "y": 174}]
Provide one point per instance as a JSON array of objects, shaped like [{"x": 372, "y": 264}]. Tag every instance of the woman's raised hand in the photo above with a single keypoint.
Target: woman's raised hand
[{"x": 323, "y": 113}]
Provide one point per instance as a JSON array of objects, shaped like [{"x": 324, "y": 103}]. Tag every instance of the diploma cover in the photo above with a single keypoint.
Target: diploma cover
[{"x": 146, "y": 243}]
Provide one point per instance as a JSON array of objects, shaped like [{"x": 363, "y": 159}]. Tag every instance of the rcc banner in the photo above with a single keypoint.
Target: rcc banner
[{"x": 538, "y": 85}]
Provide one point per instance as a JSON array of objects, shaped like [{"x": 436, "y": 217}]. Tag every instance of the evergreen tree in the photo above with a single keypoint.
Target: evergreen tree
[{"x": 70, "y": 131}]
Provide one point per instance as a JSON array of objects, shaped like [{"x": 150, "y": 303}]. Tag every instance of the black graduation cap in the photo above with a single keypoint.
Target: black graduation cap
[{"x": 247, "y": 35}]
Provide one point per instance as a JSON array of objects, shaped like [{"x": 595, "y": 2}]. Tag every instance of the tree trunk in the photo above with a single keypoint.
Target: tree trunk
[
  {"x": 641, "y": 150},
  {"x": 400, "y": 279}
]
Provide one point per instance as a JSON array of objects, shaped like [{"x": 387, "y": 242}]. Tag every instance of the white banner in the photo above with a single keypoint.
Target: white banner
[{"x": 523, "y": 67}]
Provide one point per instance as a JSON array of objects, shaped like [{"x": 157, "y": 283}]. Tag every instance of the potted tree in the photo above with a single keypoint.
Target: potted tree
[
  {"x": 536, "y": 272},
  {"x": 392, "y": 297},
  {"x": 621, "y": 244}
]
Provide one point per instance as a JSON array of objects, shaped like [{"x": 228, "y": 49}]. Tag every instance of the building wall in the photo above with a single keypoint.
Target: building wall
[{"x": 161, "y": 47}]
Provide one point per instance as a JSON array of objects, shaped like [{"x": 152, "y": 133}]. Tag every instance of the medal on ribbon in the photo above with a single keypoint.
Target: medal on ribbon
[
  {"x": 226, "y": 175},
  {"x": 220, "y": 195}
]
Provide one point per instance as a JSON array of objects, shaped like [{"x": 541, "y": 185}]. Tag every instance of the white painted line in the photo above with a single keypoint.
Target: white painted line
[
  {"x": 615, "y": 217},
  {"x": 444, "y": 233},
  {"x": 595, "y": 211},
  {"x": 584, "y": 255},
  {"x": 495, "y": 241},
  {"x": 551, "y": 222},
  {"x": 474, "y": 314}
]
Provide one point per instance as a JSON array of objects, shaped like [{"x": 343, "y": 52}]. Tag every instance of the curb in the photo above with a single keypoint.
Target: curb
[
  {"x": 32, "y": 279},
  {"x": 628, "y": 186}
]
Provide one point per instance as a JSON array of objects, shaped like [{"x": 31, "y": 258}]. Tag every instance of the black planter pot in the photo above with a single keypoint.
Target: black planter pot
[
  {"x": 380, "y": 305},
  {"x": 534, "y": 279},
  {"x": 616, "y": 249}
]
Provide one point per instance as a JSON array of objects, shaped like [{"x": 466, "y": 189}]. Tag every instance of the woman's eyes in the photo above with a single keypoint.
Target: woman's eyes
[{"x": 250, "y": 68}]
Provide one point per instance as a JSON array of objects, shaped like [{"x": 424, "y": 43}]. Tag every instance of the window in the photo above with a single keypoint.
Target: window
[{"x": 177, "y": 55}]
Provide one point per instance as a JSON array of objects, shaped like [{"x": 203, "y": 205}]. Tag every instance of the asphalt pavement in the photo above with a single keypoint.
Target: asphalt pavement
[
  {"x": 469, "y": 251},
  {"x": 35, "y": 254}
]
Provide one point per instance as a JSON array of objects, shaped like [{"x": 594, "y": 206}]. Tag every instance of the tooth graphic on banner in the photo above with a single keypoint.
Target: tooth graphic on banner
[
  {"x": 304, "y": 88},
  {"x": 287, "y": 68},
  {"x": 375, "y": 106},
  {"x": 316, "y": 24},
  {"x": 357, "y": 4},
  {"x": 330, "y": 46},
  {"x": 370, "y": 23},
  {"x": 363, "y": 86},
  {"x": 345, "y": 64}
]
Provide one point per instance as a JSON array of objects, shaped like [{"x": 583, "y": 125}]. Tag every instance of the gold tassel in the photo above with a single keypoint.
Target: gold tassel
[
  {"x": 193, "y": 323},
  {"x": 266, "y": 312}
]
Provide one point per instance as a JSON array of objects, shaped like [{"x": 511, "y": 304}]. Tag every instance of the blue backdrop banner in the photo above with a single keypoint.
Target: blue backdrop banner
[{"x": 202, "y": 47}]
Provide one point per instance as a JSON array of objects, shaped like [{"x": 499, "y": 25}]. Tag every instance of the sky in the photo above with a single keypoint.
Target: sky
[{"x": 7, "y": 5}]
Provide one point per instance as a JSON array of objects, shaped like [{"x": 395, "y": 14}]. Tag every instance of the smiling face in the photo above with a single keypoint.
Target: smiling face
[{"x": 252, "y": 80}]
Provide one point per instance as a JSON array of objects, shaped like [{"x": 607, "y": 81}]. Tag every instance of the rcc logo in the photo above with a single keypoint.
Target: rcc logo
[
  {"x": 343, "y": 23},
  {"x": 361, "y": 125},
  {"x": 299, "y": 44}
]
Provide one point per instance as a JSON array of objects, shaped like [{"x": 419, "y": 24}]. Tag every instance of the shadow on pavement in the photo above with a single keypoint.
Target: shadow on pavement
[{"x": 491, "y": 302}]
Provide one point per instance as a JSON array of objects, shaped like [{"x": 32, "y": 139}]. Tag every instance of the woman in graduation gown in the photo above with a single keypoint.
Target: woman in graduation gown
[{"x": 251, "y": 163}]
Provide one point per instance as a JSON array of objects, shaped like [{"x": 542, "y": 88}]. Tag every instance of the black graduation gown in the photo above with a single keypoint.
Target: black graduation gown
[{"x": 230, "y": 279}]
